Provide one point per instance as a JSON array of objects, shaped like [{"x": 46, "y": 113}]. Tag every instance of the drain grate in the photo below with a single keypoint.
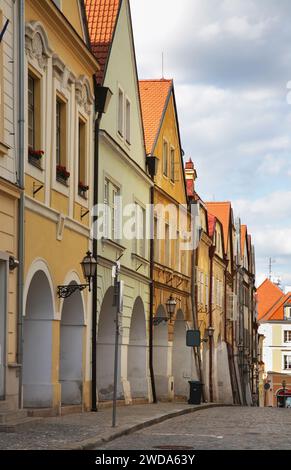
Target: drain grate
[{"x": 173, "y": 447}]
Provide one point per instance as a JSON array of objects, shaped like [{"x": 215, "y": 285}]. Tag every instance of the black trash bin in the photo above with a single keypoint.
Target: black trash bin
[{"x": 195, "y": 392}]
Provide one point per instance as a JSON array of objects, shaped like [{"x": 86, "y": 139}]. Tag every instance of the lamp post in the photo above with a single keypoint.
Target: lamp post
[
  {"x": 88, "y": 265},
  {"x": 102, "y": 98},
  {"x": 171, "y": 307}
]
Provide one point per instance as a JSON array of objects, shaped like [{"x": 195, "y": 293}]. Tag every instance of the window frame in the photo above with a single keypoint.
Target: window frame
[
  {"x": 172, "y": 163},
  {"x": 165, "y": 160},
  {"x": 120, "y": 112},
  {"x": 127, "y": 119}
]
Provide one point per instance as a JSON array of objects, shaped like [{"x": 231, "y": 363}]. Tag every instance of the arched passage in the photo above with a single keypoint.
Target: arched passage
[
  {"x": 182, "y": 358},
  {"x": 105, "y": 349},
  {"x": 71, "y": 350},
  {"x": 137, "y": 352},
  {"x": 37, "y": 343},
  {"x": 160, "y": 354}
]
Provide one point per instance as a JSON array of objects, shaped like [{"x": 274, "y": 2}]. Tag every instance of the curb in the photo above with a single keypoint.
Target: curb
[{"x": 91, "y": 443}]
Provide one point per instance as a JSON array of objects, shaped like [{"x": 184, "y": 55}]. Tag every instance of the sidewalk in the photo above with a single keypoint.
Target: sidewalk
[{"x": 90, "y": 430}]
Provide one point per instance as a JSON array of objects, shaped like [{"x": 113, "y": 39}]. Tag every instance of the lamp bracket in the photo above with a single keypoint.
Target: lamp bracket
[
  {"x": 158, "y": 320},
  {"x": 84, "y": 212},
  {"x": 36, "y": 188},
  {"x": 66, "y": 291}
]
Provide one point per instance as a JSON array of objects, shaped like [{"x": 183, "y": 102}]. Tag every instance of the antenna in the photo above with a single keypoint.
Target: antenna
[
  {"x": 271, "y": 262},
  {"x": 162, "y": 64}
]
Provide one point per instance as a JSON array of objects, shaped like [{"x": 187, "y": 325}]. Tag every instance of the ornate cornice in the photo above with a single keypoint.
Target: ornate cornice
[{"x": 36, "y": 43}]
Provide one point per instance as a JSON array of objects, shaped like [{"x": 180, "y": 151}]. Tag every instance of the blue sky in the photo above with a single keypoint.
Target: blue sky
[{"x": 231, "y": 64}]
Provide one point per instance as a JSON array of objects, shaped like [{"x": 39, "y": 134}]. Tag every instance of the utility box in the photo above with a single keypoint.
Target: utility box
[
  {"x": 193, "y": 338},
  {"x": 195, "y": 392}
]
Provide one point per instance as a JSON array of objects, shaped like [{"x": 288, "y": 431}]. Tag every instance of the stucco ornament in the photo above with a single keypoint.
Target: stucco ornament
[
  {"x": 36, "y": 43},
  {"x": 84, "y": 95}
]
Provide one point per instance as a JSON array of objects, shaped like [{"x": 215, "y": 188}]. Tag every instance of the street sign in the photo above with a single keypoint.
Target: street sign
[{"x": 193, "y": 338}]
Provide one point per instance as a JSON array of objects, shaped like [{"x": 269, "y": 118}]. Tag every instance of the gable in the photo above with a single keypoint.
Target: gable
[
  {"x": 71, "y": 9},
  {"x": 121, "y": 75},
  {"x": 268, "y": 294},
  {"x": 169, "y": 134}
]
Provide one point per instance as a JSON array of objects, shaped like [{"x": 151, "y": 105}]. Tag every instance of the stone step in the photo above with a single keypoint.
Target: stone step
[
  {"x": 5, "y": 405},
  {"x": 18, "y": 424},
  {"x": 12, "y": 415},
  {"x": 42, "y": 412},
  {"x": 71, "y": 409}
]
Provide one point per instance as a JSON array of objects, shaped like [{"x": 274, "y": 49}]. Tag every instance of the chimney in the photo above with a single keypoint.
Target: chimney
[{"x": 191, "y": 175}]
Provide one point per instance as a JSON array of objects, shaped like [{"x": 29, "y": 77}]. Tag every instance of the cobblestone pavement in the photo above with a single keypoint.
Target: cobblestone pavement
[
  {"x": 85, "y": 429},
  {"x": 217, "y": 429}
]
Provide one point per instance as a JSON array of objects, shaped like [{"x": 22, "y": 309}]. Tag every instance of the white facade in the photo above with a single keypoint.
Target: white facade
[
  {"x": 275, "y": 348},
  {"x": 122, "y": 171}
]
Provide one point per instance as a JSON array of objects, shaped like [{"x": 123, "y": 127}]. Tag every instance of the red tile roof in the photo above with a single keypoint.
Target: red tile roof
[
  {"x": 268, "y": 296},
  {"x": 153, "y": 95},
  {"x": 102, "y": 16},
  {"x": 221, "y": 210},
  {"x": 277, "y": 311}
]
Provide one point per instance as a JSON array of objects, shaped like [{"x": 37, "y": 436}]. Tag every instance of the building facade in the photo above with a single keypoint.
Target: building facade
[
  {"x": 10, "y": 194},
  {"x": 124, "y": 190},
  {"x": 274, "y": 309},
  {"x": 173, "y": 361},
  {"x": 59, "y": 69}
]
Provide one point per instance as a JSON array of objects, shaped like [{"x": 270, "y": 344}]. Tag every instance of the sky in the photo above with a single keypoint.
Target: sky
[{"x": 231, "y": 65}]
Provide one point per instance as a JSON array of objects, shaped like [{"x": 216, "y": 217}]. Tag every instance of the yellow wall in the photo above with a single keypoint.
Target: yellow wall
[{"x": 8, "y": 244}]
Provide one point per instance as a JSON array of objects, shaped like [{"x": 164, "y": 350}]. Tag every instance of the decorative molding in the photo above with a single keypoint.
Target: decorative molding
[
  {"x": 84, "y": 96},
  {"x": 36, "y": 43},
  {"x": 62, "y": 72}
]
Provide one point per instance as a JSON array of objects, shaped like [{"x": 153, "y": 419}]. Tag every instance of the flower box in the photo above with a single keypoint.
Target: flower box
[
  {"x": 35, "y": 156},
  {"x": 82, "y": 189},
  {"x": 62, "y": 174}
]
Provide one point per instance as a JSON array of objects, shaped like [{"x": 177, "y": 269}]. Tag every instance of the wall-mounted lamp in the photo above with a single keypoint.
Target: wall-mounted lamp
[
  {"x": 152, "y": 164},
  {"x": 13, "y": 263},
  {"x": 170, "y": 307},
  {"x": 210, "y": 331},
  {"x": 102, "y": 97},
  {"x": 88, "y": 264}
]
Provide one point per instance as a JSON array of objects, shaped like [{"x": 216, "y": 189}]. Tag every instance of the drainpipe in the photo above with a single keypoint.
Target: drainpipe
[
  {"x": 151, "y": 365},
  {"x": 210, "y": 337},
  {"x": 95, "y": 254},
  {"x": 195, "y": 319},
  {"x": 21, "y": 185}
]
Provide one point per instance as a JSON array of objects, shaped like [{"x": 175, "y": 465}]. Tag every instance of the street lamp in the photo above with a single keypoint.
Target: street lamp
[
  {"x": 102, "y": 97},
  {"x": 88, "y": 264},
  {"x": 171, "y": 307}
]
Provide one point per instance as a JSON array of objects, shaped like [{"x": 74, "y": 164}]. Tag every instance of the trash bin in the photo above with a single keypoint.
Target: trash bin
[{"x": 195, "y": 392}]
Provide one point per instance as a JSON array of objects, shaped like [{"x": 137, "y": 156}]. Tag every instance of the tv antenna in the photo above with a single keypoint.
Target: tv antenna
[{"x": 271, "y": 262}]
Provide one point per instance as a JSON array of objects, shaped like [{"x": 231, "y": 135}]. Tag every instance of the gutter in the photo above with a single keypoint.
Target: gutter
[
  {"x": 21, "y": 42},
  {"x": 210, "y": 337},
  {"x": 151, "y": 365}
]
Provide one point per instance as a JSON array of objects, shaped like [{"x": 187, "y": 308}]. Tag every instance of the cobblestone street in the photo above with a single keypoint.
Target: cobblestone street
[{"x": 226, "y": 428}]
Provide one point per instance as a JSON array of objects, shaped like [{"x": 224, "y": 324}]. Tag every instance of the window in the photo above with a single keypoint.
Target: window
[
  {"x": 120, "y": 112},
  {"x": 1, "y": 85},
  {"x": 287, "y": 336},
  {"x": 33, "y": 120},
  {"x": 156, "y": 241},
  {"x": 82, "y": 188},
  {"x": 206, "y": 291},
  {"x": 31, "y": 112},
  {"x": 287, "y": 312},
  {"x": 61, "y": 141},
  {"x": 167, "y": 245},
  {"x": 127, "y": 121},
  {"x": 178, "y": 251},
  {"x": 172, "y": 159},
  {"x": 140, "y": 230},
  {"x": 287, "y": 362},
  {"x": 165, "y": 158},
  {"x": 111, "y": 193}
]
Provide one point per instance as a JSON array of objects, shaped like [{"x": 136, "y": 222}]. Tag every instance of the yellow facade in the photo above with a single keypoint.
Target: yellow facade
[{"x": 57, "y": 234}]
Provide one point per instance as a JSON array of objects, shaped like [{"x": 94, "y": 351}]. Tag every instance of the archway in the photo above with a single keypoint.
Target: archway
[
  {"x": 160, "y": 354},
  {"x": 37, "y": 343},
  {"x": 182, "y": 358},
  {"x": 137, "y": 352},
  {"x": 71, "y": 350},
  {"x": 105, "y": 350}
]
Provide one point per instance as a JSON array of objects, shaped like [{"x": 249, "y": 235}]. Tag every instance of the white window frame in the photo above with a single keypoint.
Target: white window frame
[
  {"x": 127, "y": 126},
  {"x": 120, "y": 113},
  {"x": 111, "y": 228},
  {"x": 165, "y": 142},
  {"x": 140, "y": 244},
  {"x": 286, "y": 354}
]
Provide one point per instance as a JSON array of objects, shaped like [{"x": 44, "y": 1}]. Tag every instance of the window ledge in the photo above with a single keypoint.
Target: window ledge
[
  {"x": 35, "y": 164},
  {"x": 140, "y": 258},
  {"x": 4, "y": 149},
  {"x": 62, "y": 181},
  {"x": 113, "y": 243}
]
